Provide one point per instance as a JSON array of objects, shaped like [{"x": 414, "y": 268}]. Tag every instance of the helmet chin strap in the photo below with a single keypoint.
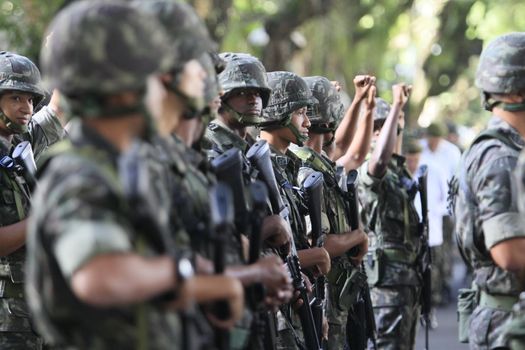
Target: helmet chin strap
[
  {"x": 300, "y": 138},
  {"x": 243, "y": 119},
  {"x": 15, "y": 128},
  {"x": 489, "y": 103}
]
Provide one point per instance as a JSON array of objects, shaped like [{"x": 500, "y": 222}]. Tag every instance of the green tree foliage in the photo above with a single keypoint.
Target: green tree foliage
[{"x": 433, "y": 45}]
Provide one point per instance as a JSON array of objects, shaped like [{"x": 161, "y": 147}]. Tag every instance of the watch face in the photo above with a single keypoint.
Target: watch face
[{"x": 185, "y": 268}]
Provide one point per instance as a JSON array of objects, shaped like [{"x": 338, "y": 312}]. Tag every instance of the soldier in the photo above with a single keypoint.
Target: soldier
[
  {"x": 285, "y": 121},
  {"x": 386, "y": 192},
  {"x": 322, "y": 119},
  {"x": 190, "y": 172},
  {"x": 20, "y": 93},
  {"x": 246, "y": 93},
  {"x": 102, "y": 271},
  {"x": 489, "y": 228}
]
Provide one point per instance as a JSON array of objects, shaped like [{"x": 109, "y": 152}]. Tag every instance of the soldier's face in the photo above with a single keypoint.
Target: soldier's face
[
  {"x": 412, "y": 162},
  {"x": 433, "y": 142},
  {"x": 300, "y": 121},
  {"x": 246, "y": 101},
  {"x": 17, "y": 106},
  {"x": 192, "y": 79}
]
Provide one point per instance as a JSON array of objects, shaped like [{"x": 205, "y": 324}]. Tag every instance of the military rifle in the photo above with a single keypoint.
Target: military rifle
[
  {"x": 22, "y": 163},
  {"x": 265, "y": 320},
  {"x": 259, "y": 156},
  {"x": 148, "y": 215},
  {"x": 313, "y": 188},
  {"x": 362, "y": 324},
  {"x": 425, "y": 259},
  {"x": 222, "y": 218},
  {"x": 228, "y": 169}
]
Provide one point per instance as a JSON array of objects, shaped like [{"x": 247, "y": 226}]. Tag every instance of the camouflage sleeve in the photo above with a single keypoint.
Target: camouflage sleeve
[
  {"x": 520, "y": 180},
  {"x": 368, "y": 182},
  {"x": 495, "y": 191},
  {"x": 84, "y": 222},
  {"x": 46, "y": 130}
]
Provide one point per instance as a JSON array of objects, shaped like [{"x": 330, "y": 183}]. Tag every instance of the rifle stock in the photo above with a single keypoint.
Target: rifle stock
[
  {"x": 363, "y": 322},
  {"x": 222, "y": 219},
  {"x": 228, "y": 169},
  {"x": 313, "y": 188}
]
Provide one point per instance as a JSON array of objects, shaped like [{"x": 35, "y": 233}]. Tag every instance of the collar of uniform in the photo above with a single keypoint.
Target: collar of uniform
[
  {"x": 509, "y": 131},
  {"x": 280, "y": 159},
  {"x": 82, "y": 135},
  {"x": 236, "y": 141}
]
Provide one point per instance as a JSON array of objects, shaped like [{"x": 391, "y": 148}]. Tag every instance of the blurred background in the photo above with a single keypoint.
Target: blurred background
[{"x": 432, "y": 44}]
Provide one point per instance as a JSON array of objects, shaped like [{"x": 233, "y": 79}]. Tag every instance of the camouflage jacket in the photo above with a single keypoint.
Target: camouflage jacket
[
  {"x": 44, "y": 129},
  {"x": 192, "y": 180},
  {"x": 286, "y": 169},
  {"x": 486, "y": 206},
  {"x": 81, "y": 211},
  {"x": 219, "y": 138},
  {"x": 391, "y": 219}
]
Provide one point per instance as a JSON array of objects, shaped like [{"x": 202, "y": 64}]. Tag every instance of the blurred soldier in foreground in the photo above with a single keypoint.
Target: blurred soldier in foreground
[{"x": 103, "y": 272}]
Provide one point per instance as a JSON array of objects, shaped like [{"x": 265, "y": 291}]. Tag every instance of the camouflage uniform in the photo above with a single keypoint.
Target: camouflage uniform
[
  {"x": 289, "y": 93},
  {"x": 323, "y": 120},
  {"x": 81, "y": 209},
  {"x": 19, "y": 74},
  {"x": 486, "y": 206},
  {"x": 242, "y": 71},
  {"x": 391, "y": 219}
]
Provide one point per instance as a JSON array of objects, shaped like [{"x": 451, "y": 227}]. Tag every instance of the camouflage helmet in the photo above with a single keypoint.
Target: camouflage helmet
[
  {"x": 289, "y": 93},
  {"x": 20, "y": 74},
  {"x": 212, "y": 88},
  {"x": 184, "y": 27},
  {"x": 329, "y": 108},
  {"x": 99, "y": 48},
  {"x": 381, "y": 110},
  {"x": 501, "y": 67},
  {"x": 243, "y": 71}
]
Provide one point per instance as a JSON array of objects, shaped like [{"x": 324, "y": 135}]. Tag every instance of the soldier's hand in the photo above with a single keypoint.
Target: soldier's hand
[
  {"x": 401, "y": 92},
  {"x": 371, "y": 99},
  {"x": 235, "y": 304},
  {"x": 298, "y": 301},
  {"x": 203, "y": 266},
  {"x": 276, "y": 233},
  {"x": 362, "y": 247},
  {"x": 324, "y": 264},
  {"x": 326, "y": 327},
  {"x": 274, "y": 276},
  {"x": 362, "y": 84}
]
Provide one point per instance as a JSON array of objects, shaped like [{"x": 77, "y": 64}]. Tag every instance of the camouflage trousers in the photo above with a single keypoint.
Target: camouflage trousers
[
  {"x": 337, "y": 316},
  {"x": 288, "y": 331},
  {"x": 16, "y": 332},
  {"x": 487, "y": 328},
  {"x": 396, "y": 310}
]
